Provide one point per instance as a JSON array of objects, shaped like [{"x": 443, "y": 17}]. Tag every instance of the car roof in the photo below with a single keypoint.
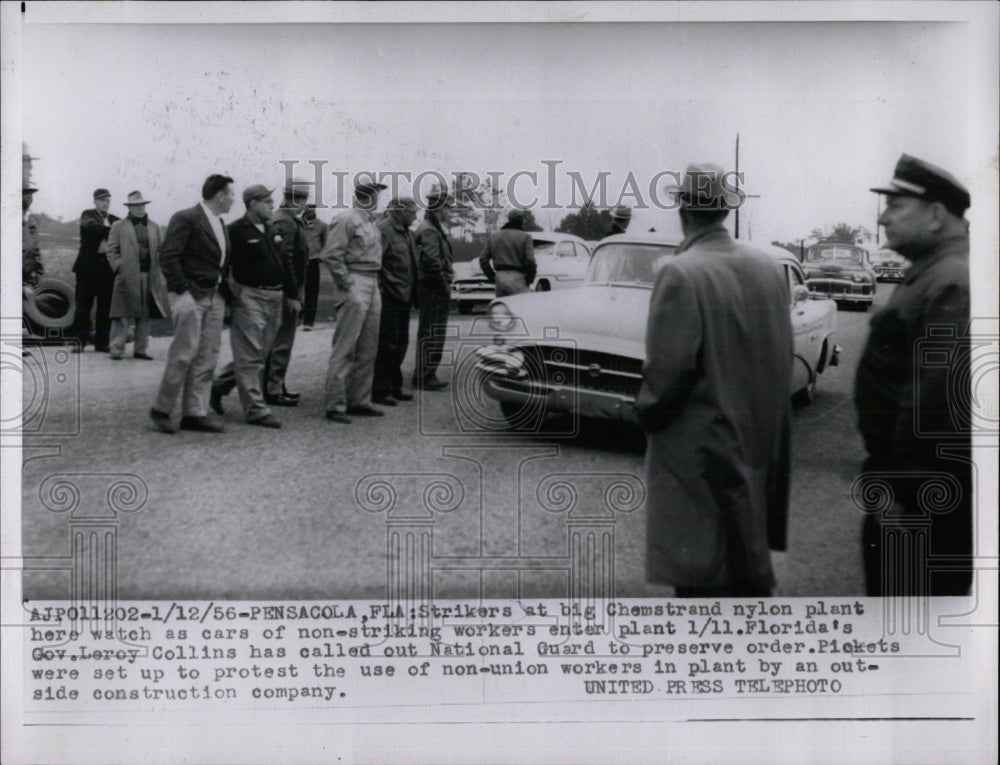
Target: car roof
[
  {"x": 637, "y": 238},
  {"x": 556, "y": 237}
]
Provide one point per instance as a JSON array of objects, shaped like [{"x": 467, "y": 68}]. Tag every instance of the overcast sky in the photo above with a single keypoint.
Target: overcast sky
[{"x": 823, "y": 109}]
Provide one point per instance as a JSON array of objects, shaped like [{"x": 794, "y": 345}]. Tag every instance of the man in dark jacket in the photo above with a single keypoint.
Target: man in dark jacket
[
  {"x": 316, "y": 236},
  {"x": 715, "y": 404},
  {"x": 95, "y": 281},
  {"x": 913, "y": 395},
  {"x": 260, "y": 280},
  {"x": 397, "y": 283},
  {"x": 508, "y": 259},
  {"x": 193, "y": 255},
  {"x": 291, "y": 238},
  {"x": 434, "y": 274}
]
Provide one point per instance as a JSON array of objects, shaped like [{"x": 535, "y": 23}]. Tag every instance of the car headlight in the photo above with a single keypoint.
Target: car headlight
[
  {"x": 859, "y": 278},
  {"x": 501, "y": 319}
]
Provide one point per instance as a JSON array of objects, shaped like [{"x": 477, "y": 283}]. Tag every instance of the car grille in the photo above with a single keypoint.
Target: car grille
[
  {"x": 585, "y": 370},
  {"x": 838, "y": 287}
]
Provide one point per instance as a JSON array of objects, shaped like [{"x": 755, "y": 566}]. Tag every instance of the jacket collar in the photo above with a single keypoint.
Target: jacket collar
[
  {"x": 716, "y": 232},
  {"x": 431, "y": 218},
  {"x": 958, "y": 245}
]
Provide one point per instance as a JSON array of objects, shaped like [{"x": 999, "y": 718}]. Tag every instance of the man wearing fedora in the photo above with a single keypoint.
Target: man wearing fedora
[
  {"x": 260, "y": 280},
  {"x": 140, "y": 291},
  {"x": 621, "y": 216},
  {"x": 94, "y": 277},
  {"x": 508, "y": 259},
  {"x": 353, "y": 253},
  {"x": 715, "y": 405},
  {"x": 913, "y": 393},
  {"x": 434, "y": 273},
  {"x": 288, "y": 231},
  {"x": 193, "y": 257}
]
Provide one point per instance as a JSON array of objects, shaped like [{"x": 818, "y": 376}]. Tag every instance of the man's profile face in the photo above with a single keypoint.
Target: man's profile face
[
  {"x": 27, "y": 197},
  {"x": 906, "y": 222},
  {"x": 225, "y": 198},
  {"x": 263, "y": 208}
]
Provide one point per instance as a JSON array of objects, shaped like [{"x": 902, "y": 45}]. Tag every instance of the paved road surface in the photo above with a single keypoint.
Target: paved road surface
[{"x": 255, "y": 513}]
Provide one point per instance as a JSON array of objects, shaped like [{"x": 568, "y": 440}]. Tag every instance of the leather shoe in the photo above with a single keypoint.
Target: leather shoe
[
  {"x": 432, "y": 384},
  {"x": 102, "y": 349},
  {"x": 400, "y": 396},
  {"x": 385, "y": 401},
  {"x": 286, "y": 394},
  {"x": 281, "y": 400},
  {"x": 334, "y": 416},
  {"x": 77, "y": 348},
  {"x": 365, "y": 411},
  {"x": 200, "y": 425},
  {"x": 161, "y": 421},
  {"x": 215, "y": 401},
  {"x": 267, "y": 421},
  {"x": 116, "y": 357},
  {"x": 142, "y": 356}
]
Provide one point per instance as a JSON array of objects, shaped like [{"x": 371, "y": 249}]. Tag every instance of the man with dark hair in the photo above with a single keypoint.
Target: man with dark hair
[
  {"x": 316, "y": 236},
  {"x": 715, "y": 404},
  {"x": 914, "y": 411},
  {"x": 434, "y": 273},
  {"x": 288, "y": 231},
  {"x": 193, "y": 256},
  {"x": 353, "y": 253},
  {"x": 508, "y": 259},
  {"x": 397, "y": 284},
  {"x": 95, "y": 280}
]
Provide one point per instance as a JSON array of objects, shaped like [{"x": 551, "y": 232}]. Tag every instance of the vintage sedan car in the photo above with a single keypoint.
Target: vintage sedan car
[
  {"x": 840, "y": 272},
  {"x": 889, "y": 266},
  {"x": 562, "y": 262},
  {"x": 582, "y": 351}
]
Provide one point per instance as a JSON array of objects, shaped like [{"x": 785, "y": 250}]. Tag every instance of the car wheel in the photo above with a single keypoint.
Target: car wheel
[
  {"x": 542, "y": 286},
  {"x": 806, "y": 395}
]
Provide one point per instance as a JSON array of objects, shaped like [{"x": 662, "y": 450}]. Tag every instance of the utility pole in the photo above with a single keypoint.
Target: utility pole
[{"x": 737, "y": 185}]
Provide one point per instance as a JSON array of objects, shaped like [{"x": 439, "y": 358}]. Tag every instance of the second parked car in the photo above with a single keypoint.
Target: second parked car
[{"x": 840, "y": 272}]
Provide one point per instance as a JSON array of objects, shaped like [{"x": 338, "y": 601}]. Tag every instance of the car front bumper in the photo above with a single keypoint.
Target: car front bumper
[{"x": 841, "y": 290}]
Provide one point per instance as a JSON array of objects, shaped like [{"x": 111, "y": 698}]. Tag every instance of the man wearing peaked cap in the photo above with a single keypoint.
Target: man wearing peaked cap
[
  {"x": 353, "y": 253},
  {"x": 914, "y": 414},
  {"x": 718, "y": 451}
]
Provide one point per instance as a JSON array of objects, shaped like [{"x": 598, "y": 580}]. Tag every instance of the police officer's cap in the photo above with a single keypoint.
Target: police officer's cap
[
  {"x": 915, "y": 178},
  {"x": 102, "y": 194},
  {"x": 256, "y": 192}
]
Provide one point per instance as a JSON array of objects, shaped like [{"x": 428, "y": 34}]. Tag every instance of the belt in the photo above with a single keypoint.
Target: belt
[
  {"x": 509, "y": 268},
  {"x": 268, "y": 287}
]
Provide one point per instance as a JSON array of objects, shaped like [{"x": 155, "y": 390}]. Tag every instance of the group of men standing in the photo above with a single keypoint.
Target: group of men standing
[{"x": 264, "y": 265}]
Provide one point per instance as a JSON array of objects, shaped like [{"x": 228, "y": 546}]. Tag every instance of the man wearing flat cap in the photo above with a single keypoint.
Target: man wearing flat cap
[
  {"x": 140, "y": 291},
  {"x": 288, "y": 231},
  {"x": 353, "y": 253},
  {"x": 260, "y": 279},
  {"x": 508, "y": 258},
  {"x": 398, "y": 286},
  {"x": 913, "y": 394},
  {"x": 94, "y": 278},
  {"x": 435, "y": 273},
  {"x": 715, "y": 405}
]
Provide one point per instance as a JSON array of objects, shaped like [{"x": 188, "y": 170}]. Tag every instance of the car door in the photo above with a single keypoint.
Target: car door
[{"x": 807, "y": 326}]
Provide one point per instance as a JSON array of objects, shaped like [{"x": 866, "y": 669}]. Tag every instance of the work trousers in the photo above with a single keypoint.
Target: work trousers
[
  {"x": 433, "y": 326},
  {"x": 355, "y": 344},
  {"x": 193, "y": 353},
  {"x": 393, "y": 340},
  {"x": 93, "y": 288}
]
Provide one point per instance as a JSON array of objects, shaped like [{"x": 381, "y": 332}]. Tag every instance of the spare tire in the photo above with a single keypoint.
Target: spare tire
[{"x": 48, "y": 310}]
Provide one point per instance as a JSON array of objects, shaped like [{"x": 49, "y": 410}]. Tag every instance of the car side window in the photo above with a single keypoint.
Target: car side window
[{"x": 565, "y": 249}]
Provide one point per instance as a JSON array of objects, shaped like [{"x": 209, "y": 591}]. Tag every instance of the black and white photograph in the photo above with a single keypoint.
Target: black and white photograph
[{"x": 603, "y": 304}]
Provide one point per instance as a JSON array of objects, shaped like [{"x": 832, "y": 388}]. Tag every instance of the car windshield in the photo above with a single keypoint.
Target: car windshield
[
  {"x": 627, "y": 263},
  {"x": 839, "y": 254}
]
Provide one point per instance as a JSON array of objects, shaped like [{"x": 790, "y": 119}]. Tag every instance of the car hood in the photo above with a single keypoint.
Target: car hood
[{"x": 596, "y": 317}]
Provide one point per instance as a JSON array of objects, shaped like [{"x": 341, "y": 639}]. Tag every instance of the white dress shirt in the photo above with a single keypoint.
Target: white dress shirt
[{"x": 217, "y": 224}]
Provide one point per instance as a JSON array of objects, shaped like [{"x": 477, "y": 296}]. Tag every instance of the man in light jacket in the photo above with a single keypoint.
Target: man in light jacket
[{"x": 140, "y": 291}]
